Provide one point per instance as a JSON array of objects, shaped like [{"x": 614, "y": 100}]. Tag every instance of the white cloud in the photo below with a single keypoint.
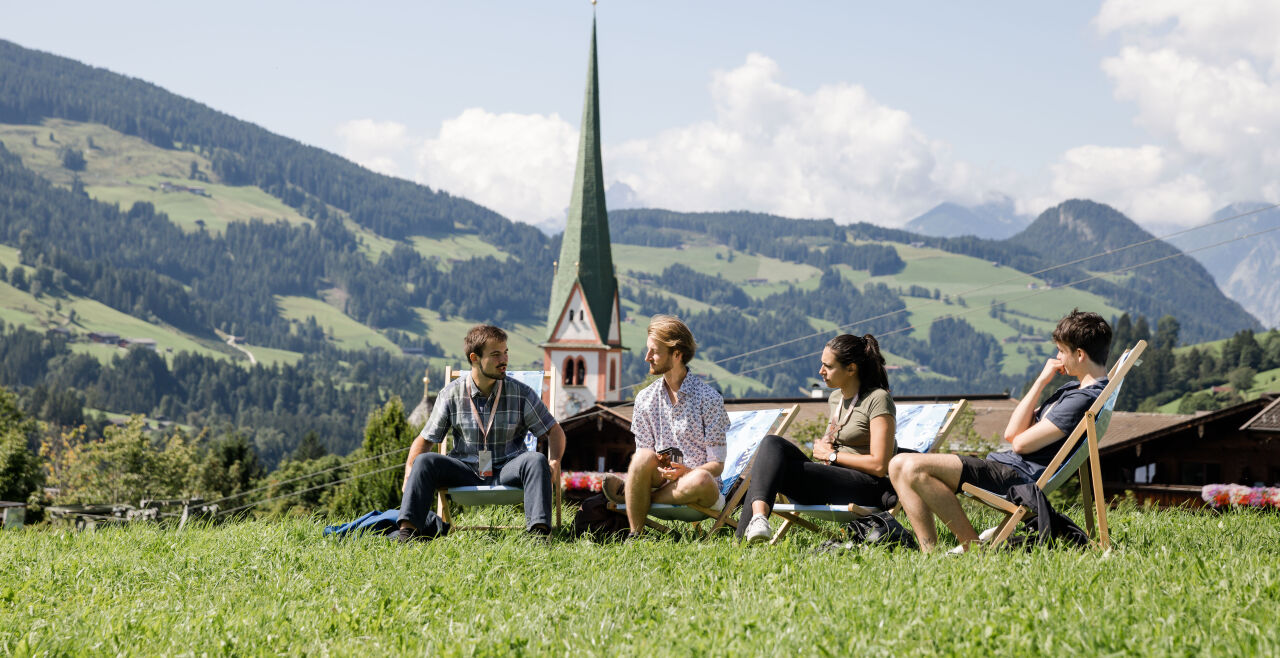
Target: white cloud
[
  {"x": 520, "y": 165},
  {"x": 377, "y": 145},
  {"x": 1204, "y": 78},
  {"x": 835, "y": 152},
  {"x": 1145, "y": 182}
]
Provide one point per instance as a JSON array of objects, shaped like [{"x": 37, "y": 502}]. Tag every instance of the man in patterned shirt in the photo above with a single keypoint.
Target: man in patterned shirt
[
  {"x": 680, "y": 411},
  {"x": 488, "y": 414}
]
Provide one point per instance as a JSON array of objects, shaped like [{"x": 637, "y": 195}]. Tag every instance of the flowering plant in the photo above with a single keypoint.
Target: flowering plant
[
  {"x": 1222, "y": 495},
  {"x": 582, "y": 480}
]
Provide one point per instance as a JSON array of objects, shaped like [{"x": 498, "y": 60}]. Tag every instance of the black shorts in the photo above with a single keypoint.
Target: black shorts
[{"x": 993, "y": 476}]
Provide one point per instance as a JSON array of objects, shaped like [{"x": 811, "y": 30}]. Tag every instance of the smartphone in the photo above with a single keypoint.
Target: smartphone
[{"x": 673, "y": 454}]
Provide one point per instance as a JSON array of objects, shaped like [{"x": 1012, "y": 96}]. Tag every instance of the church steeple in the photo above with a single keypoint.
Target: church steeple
[
  {"x": 584, "y": 341},
  {"x": 585, "y": 256}
]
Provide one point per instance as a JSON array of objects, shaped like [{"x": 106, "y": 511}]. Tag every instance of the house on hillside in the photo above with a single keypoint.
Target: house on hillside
[
  {"x": 105, "y": 338},
  {"x": 1169, "y": 463},
  {"x": 146, "y": 343}
]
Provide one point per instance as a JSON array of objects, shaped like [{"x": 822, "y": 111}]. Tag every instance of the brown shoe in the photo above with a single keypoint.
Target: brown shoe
[{"x": 614, "y": 488}]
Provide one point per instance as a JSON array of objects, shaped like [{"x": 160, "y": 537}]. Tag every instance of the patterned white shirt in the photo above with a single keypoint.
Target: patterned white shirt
[{"x": 696, "y": 424}]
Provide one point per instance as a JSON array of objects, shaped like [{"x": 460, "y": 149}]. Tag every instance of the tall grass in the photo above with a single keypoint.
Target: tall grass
[{"x": 1177, "y": 582}]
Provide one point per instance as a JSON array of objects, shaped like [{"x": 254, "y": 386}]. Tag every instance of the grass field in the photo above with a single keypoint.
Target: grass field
[
  {"x": 980, "y": 283},
  {"x": 345, "y": 332},
  {"x": 1176, "y": 583},
  {"x": 224, "y": 205},
  {"x": 462, "y": 246},
  {"x": 18, "y": 307},
  {"x": 114, "y": 160},
  {"x": 522, "y": 339},
  {"x": 652, "y": 260},
  {"x": 1267, "y": 381}
]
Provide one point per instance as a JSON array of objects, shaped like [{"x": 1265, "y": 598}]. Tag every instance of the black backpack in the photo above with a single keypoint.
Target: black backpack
[
  {"x": 597, "y": 520},
  {"x": 880, "y": 529}
]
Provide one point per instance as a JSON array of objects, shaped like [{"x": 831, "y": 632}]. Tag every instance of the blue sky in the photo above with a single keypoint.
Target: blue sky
[{"x": 858, "y": 111}]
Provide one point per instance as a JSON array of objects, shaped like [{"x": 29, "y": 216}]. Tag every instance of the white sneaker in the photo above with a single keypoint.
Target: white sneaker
[
  {"x": 758, "y": 529},
  {"x": 720, "y": 503},
  {"x": 987, "y": 534}
]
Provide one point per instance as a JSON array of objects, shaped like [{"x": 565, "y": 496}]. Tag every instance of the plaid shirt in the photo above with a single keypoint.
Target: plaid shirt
[
  {"x": 520, "y": 410},
  {"x": 696, "y": 425}
]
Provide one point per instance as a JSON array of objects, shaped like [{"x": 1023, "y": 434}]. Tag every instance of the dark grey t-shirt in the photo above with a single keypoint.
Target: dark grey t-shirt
[{"x": 1065, "y": 409}]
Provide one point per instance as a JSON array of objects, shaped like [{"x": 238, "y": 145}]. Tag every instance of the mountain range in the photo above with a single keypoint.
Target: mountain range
[
  {"x": 136, "y": 210},
  {"x": 993, "y": 220},
  {"x": 1247, "y": 271}
]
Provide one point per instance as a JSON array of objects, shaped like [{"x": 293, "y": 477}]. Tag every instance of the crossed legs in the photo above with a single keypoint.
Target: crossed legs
[
  {"x": 696, "y": 486},
  {"x": 927, "y": 485}
]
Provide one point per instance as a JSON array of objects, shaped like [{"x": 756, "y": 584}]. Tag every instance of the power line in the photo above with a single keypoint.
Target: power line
[
  {"x": 1037, "y": 293},
  {"x": 308, "y": 475},
  {"x": 309, "y": 489},
  {"x": 1018, "y": 277}
]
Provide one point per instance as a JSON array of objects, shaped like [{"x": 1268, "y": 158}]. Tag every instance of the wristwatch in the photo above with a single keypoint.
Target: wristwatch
[{"x": 831, "y": 458}]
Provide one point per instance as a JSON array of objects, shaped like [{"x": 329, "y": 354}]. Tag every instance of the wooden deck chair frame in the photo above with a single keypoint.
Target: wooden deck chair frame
[
  {"x": 492, "y": 495},
  {"x": 793, "y": 514},
  {"x": 1069, "y": 461},
  {"x": 695, "y": 514}
]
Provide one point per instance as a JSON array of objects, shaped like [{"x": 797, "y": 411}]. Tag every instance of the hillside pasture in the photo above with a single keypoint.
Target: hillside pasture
[
  {"x": 522, "y": 339},
  {"x": 463, "y": 246},
  {"x": 981, "y": 284},
  {"x": 20, "y": 308},
  {"x": 1177, "y": 582},
  {"x": 652, "y": 260},
  {"x": 114, "y": 160},
  {"x": 224, "y": 204},
  {"x": 634, "y": 336},
  {"x": 1267, "y": 381},
  {"x": 346, "y": 333}
]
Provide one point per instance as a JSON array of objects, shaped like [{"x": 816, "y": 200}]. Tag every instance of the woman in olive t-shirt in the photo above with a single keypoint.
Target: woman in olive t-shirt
[{"x": 851, "y": 461}]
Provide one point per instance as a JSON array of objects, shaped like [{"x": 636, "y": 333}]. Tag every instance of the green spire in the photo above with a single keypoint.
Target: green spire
[{"x": 585, "y": 256}]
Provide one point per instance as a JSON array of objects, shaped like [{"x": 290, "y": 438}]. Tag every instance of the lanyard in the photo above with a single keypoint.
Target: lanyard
[
  {"x": 484, "y": 429},
  {"x": 840, "y": 419}
]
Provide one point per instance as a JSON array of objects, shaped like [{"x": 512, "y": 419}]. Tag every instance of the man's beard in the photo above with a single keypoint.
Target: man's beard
[
  {"x": 653, "y": 369},
  {"x": 495, "y": 375}
]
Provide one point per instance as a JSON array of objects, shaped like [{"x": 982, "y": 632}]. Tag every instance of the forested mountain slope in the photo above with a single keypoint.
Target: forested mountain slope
[
  {"x": 413, "y": 267},
  {"x": 1166, "y": 282}
]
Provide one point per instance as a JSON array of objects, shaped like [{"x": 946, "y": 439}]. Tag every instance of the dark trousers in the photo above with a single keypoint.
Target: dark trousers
[
  {"x": 782, "y": 468},
  {"x": 432, "y": 471}
]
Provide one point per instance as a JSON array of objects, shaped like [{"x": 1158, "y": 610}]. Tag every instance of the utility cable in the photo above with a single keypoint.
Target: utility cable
[
  {"x": 357, "y": 476},
  {"x": 308, "y": 475},
  {"x": 1018, "y": 277}
]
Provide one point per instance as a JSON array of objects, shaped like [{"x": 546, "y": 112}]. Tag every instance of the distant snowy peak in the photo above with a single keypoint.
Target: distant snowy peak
[{"x": 994, "y": 220}]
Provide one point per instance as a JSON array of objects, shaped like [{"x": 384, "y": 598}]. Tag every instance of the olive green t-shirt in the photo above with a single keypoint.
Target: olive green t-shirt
[{"x": 852, "y": 425}]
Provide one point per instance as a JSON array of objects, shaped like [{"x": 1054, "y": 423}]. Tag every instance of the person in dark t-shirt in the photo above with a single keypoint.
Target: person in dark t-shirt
[{"x": 927, "y": 483}]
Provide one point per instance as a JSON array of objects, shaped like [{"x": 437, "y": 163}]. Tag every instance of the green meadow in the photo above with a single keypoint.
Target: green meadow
[
  {"x": 713, "y": 261},
  {"x": 1177, "y": 582}
]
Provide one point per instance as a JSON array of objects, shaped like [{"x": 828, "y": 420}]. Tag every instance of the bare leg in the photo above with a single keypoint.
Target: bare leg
[
  {"x": 642, "y": 475},
  {"x": 696, "y": 487},
  {"x": 926, "y": 485}
]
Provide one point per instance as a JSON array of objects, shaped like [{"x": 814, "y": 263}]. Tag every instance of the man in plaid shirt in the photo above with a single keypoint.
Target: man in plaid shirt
[{"x": 488, "y": 415}]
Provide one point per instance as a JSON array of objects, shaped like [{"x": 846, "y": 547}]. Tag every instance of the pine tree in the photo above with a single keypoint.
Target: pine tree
[{"x": 376, "y": 484}]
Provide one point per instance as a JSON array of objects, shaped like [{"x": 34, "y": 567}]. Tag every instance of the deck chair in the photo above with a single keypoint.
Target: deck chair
[
  {"x": 498, "y": 494},
  {"x": 746, "y": 430},
  {"x": 919, "y": 428},
  {"x": 1072, "y": 458}
]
